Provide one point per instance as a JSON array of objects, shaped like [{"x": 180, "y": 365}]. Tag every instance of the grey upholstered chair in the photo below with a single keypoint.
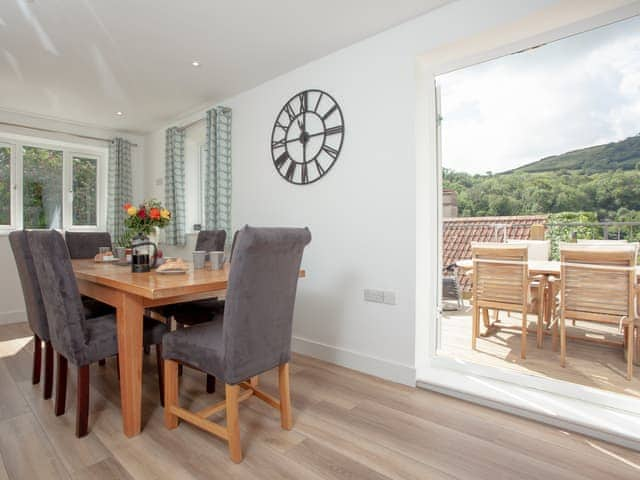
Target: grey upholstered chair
[
  {"x": 254, "y": 336},
  {"x": 85, "y": 245},
  {"x": 36, "y": 315},
  {"x": 200, "y": 311},
  {"x": 75, "y": 338}
]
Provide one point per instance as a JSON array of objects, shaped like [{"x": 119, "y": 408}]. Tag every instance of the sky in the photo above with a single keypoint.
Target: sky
[{"x": 576, "y": 92}]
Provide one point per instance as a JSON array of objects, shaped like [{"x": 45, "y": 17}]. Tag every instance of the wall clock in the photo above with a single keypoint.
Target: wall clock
[{"x": 307, "y": 137}]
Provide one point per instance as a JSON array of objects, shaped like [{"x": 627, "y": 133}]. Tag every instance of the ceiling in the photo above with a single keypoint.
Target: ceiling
[{"x": 85, "y": 60}]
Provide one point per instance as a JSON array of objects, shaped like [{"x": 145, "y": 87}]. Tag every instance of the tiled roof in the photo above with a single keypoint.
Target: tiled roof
[{"x": 459, "y": 232}]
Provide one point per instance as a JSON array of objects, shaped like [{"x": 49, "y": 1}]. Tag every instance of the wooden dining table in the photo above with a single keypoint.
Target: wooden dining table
[{"x": 130, "y": 294}]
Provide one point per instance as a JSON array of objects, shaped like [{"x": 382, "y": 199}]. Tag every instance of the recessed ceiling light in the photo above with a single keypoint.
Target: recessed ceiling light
[
  {"x": 119, "y": 114},
  {"x": 195, "y": 63}
]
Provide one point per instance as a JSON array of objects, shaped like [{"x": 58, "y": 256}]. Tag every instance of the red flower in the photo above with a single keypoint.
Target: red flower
[
  {"x": 154, "y": 213},
  {"x": 142, "y": 213},
  {"x": 126, "y": 206}
]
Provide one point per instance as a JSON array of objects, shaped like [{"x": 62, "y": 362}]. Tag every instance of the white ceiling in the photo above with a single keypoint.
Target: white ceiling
[{"x": 84, "y": 60}]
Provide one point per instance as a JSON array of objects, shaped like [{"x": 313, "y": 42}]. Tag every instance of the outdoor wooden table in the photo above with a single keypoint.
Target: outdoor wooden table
[{"x": 130, "y": 293}]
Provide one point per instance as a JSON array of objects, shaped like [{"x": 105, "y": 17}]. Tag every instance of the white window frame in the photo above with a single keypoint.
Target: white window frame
[{"x": 69, "y": 150}]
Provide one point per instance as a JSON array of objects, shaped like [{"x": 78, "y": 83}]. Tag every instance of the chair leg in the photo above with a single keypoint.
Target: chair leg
[
  {"x": 233, "y": 423},
  {"x": 170, "y": 393},
  {"x": 37, "y": 360},
  {"x": 147, "y": 349},
  {"x": 523, "y": 337},
  {"x": 285, "y": 397},
  {"x": 159, "y": 363},
  {"x": 630, "y": 348},
  {"x": 102, "y": 362},
  {"x": 211, "y": 383},
  {"x": 61, "y": 386},
  {"x": 118, "y": 365},
  {"x": 48, "y": 370},
  {"x": 82, "y": 407},
  {"x": 563, "y": 341},
  {"x": 475, "y": 325}
]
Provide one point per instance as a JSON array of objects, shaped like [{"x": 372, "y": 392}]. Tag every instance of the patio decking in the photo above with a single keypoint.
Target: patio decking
[{"x": 588, "y": 363}]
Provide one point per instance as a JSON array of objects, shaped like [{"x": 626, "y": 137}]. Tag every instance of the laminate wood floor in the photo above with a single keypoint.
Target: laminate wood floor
[{"x": 346, "y": 426}]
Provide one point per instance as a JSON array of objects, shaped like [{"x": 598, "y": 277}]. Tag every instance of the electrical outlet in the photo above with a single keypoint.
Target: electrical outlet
[
  {"x": 390, "y": 298},
  {"x": 376, "y": 296}
]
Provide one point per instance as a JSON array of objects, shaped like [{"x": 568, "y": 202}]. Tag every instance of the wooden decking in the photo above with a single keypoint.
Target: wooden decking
[
  {"x": 589, "y": 364},
  {"x": 345, "y": 426}
]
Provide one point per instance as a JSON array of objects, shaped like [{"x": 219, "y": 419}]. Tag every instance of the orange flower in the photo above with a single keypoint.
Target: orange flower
[
  {"x": 154, "y": 213},
  {"x": 126, "y": 206}
]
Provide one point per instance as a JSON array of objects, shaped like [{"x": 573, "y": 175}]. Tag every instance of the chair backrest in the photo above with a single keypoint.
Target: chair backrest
[
  {"x": 211, "y": 240},
  {"x": 36, "y": 314},
  {"x": 537, "y": 249},
  {"x": 65, "y": 314},
  {"x": 86, "y": 244},
  {"x": 598, "y": 282},
  {"x": 500, "y": 273},
  {"x": 261, "y": 293}
]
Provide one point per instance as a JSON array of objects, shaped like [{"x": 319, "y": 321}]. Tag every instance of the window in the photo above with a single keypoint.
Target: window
[
  {"x": 41, "y": 187},
  {"x": 5, "y": 184},
  {"x": 85, "y": 191},
  {"x": 49, "y": 186}
]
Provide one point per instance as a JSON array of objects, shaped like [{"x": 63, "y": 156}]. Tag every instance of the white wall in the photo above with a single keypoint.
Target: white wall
[
  {"x": 11, "y": 301},
  {"x": 362, "y": 215}
]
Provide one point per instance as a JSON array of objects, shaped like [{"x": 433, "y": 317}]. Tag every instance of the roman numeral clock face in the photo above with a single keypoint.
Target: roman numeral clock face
[{"x": 307, "y": 137}]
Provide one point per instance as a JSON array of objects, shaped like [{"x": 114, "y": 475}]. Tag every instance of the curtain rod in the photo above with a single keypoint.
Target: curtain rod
[
  {"x": 87, "y": 137},
  {"x": 189, "y": 125}
]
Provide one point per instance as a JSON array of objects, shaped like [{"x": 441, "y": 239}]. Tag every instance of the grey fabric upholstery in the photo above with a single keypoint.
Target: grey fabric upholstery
[
  {"x": 211, "y": 240},
  {"x": 83, "y": 245},
  {"x": 86, "y": 244},
  {"x": 255, "y": 334},
  {"x": 36, "y": 314},
  {"x": 79, "y": 340}
]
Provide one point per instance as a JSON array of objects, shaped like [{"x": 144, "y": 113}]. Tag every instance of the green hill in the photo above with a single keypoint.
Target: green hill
[{"x": 623, "y": 155}]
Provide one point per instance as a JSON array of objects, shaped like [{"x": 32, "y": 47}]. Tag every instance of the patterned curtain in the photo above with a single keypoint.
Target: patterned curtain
[
  {"x": 174, "y": 186},
  {"x": 119, "y": 186},
  {"x": 217, "y": 197}
]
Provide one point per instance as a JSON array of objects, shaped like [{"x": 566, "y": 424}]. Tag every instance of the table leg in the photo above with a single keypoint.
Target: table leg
[{"x": 129, "y": 316}]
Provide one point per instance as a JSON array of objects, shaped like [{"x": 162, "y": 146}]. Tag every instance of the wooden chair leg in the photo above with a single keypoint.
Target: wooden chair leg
[
  {"x": 160, "y": 364},
  {"x": 37, "y": 360},
  {"x": 541, "y": 314},
  {"x": 211, "y": 383},
  {"x": 233, "y": 423},
  {"x": 82, "y": 407},
  {"x": 48, "y": 370},
  {"x": 523, "y": 336},
  {"x": 285, "y": 397},
  {"x": 563, "y": 341},
  {"x": 475, "y": 319},
  {"x": 102, "y": 362},
  {"x": 630, "y": 348},
  {"x": 61, "y": 385},
  {"x": 170, "y": 393}
]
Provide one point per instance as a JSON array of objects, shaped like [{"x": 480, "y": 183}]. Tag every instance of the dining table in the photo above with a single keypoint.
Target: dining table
[{"x": 130, "y": 294}]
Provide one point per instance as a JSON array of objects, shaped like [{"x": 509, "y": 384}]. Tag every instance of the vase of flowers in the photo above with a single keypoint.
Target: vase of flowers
[{"x": 144, "y": 220}]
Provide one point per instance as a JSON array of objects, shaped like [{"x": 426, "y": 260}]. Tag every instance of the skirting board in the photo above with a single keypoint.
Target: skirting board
[
  {"x": 375, "y": 366},
  {"x": 13, "y": 317},
  {"x": 613, "y": 426}
]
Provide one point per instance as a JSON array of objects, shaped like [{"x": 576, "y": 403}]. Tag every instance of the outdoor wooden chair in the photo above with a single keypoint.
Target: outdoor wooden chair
[
  {"x": 501, "y": 281},
  {"x": 598, "y": 284}
]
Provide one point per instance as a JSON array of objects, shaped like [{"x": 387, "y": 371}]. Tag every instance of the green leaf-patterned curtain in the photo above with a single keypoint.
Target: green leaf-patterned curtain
[
  {"x": 174, "y": 186},
  {"x": 119, "y": 186},
  {"x": 217, "y": 197}
]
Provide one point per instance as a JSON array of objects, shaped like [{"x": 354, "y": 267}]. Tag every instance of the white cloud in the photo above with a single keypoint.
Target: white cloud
[{"x": 573, "y": 93}]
